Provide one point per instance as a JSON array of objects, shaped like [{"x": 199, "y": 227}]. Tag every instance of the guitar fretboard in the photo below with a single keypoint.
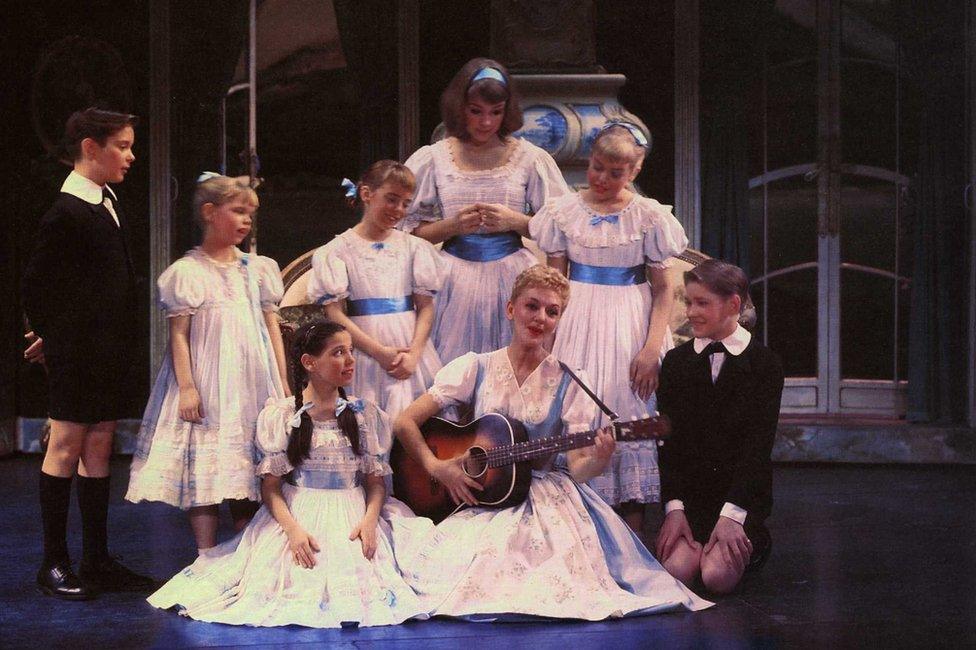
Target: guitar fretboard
[{"x": 531, "y": 449}]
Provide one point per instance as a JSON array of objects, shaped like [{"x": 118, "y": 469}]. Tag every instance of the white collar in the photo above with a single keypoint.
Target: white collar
[
  {"x": 85, "y": 188},
  {"x": 735, "y": 343}
]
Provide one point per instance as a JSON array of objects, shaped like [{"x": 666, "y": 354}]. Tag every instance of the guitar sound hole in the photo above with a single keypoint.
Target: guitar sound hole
[{"x": 476, "y": 463}]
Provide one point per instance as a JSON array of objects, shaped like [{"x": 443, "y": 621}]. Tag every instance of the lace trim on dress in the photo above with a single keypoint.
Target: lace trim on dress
[
  {"x": 275, "y": 464},
  {"x": 641, "y": 216},
  {"x": 443, "y": 151}
]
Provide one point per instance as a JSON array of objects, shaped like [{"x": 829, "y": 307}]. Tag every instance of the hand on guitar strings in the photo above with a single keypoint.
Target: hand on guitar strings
[{"x": 450, "y": 474}]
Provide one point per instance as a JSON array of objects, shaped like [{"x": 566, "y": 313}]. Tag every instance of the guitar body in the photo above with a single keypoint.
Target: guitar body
[{"x": 503, "y": 486}]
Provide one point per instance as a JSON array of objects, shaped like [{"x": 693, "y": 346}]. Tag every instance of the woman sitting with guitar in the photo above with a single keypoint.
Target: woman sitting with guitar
[{"x": 562, "y": 552}]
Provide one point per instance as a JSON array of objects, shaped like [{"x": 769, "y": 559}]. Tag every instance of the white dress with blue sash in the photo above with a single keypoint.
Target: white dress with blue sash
[
  {"x": 234, "y": 369},
  {"x": 605, "y": 323},
  {"x": 378, "y": 281},
  {"x": 481, "y": 267},
  {"x": 252, "y": 579},
  {"x": 563, "y": 553}
]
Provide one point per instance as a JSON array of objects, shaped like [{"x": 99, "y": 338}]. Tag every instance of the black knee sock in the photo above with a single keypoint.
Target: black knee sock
[
  {"x": 55, "y": 495},
  {"x": 93, "y": 503}
]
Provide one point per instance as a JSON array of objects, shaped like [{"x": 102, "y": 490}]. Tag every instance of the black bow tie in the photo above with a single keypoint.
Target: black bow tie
[{"x": 714, "y": 347}]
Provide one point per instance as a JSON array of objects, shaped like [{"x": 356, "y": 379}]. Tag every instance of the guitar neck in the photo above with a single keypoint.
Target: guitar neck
[{"x": 532, "y": 449}]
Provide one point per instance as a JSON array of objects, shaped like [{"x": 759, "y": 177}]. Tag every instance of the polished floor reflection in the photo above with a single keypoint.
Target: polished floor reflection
[{"x": 863, "y": 556}]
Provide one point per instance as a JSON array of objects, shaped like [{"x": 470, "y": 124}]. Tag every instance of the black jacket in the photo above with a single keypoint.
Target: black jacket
[
  {"x": 722, "y": 433},
  {"x": 80, "y": 284}
]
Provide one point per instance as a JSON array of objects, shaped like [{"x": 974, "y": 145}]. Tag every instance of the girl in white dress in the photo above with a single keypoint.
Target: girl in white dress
[
  {"x": 616, "y": 244},
  {"x": 563, "y": 552},
  {"x": 196, "y": 444},
  {"x": 317, "y": 553},
  {"x": 379, "y": 283},
  {"x": 474, "y": 189}
]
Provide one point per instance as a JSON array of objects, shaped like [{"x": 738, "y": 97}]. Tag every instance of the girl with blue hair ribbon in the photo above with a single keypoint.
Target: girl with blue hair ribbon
[
  {"x": 195, "y": 448},
  {"x": 475, "y": 191},
  {"x": 379, "y": 283},
  {"x": 616, "y": 245}
]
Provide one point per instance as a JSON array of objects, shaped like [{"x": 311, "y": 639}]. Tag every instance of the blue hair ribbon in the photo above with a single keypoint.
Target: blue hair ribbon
[
  {"x": 352, "y": 190},
  {"x": 639, "y": 138},
  {"x": 206, "y": 176},
  {"x": 489, "y": 73},
  {"x": 296, "y": 420},
  {"x": 355, "y": 405}
]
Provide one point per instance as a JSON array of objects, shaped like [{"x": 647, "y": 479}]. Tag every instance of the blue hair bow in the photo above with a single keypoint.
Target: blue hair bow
[
  {"x": 635, "y": 132},
  {"x": 351, "y": 189},
  {"x": 489, "y": 73},
  {"x": 296, "y": 420},
  {"x": 206, "y": 176},
  {"x": 355, "y": 405}
]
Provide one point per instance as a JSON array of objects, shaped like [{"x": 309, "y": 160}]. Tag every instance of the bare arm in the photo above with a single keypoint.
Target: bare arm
[
  {"x": 365, "y": 530},
  {"x": 558, "y": 262},
  {"x": 302, "y": 546},
  {"x": 384, "y": 354},
  {"x": 646, "y": 365},
  {"x": 191, "y": 407},
  {"x": 278, "y": 345},
  {"x": 425, "y": 320}
]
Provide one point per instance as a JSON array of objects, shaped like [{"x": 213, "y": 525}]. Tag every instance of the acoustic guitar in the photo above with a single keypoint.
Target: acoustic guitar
[{"x": 497, "y": 454}]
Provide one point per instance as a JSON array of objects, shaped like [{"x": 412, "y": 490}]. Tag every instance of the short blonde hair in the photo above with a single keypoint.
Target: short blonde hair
[
  {"x": 544, "y": 277},
  {"x": 221, "y": 189},
  {"x": 616, "y": 144}
]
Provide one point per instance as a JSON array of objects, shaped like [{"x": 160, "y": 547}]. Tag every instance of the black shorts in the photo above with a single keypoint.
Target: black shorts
[{"x": 84, "y": 389}]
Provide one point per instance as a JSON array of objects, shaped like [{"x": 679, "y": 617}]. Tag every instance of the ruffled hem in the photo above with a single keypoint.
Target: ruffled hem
[
  {"x": 632, "y": 475},
  {"x": 175, "y": 313}
]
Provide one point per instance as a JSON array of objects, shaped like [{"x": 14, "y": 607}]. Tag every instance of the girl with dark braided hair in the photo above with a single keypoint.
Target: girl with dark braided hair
[{"x": 315, "y": 554}]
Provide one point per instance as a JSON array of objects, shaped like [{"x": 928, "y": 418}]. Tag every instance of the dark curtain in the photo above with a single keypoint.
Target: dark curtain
[
  {"x": 368, "y": 30},
  {"x": 730, "y": 58},
  {"x": 937, "y": 358}
]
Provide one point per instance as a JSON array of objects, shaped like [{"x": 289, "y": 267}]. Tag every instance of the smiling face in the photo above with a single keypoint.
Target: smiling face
[
  {"x": 228, "y": 223},
  {"x": 385, "y": 206},
  {"x": 482, "y": 119},
  {"x": 335, "y": 365},
  {"x": 110, "y": 163},
  {"x": 606, "y": 178},
  {"x": 534, "y": 314},
  {"x": 711, "y": 316}
]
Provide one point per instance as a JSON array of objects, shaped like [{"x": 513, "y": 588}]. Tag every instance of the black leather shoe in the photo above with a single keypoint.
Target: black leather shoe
[
  {"x": 109, "y": 575},
  {"x": 762, "y": 546},
  {"x": 60, "y": 581}
]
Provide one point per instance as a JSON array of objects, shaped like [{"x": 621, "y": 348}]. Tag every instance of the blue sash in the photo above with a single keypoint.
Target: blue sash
[
  {"x": 620, "y": 276},
  {"x": 377, "y": 306},
  {"x": 483, "y": 248},
  {"x": 324, "y": 480}
]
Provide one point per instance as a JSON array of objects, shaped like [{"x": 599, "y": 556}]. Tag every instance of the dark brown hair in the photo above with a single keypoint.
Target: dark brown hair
[
  {"x": 312, "y": 338},
  {"x": 460, "y": 91},
  {"x": 725, "y": 280},
  {"x": 92, "y": 123},
  {"x": 380, "y": 172}
]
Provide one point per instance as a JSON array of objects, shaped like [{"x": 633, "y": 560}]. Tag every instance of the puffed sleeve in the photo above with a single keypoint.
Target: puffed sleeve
[
  {"x": 544, "y": 230},
  {"x": 271, "y": 438},
  {"x": 429, "y": 268},
  {"x": 269, "y": 283},
  {"x": 182, "y": 288},
  {"x": 545, "y": 180},
  {"x": 455, "y": 383},
  {"x": 329, "y": 281},
  {"x": 376, "y": 436},
  {"x": 665, "y": 236},
  {"x": 425, "y": 206},
  {"x": 579, "y": 410}
]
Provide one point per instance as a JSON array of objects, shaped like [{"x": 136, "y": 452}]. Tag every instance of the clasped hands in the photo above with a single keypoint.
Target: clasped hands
[{"x": 486, "y": 218}]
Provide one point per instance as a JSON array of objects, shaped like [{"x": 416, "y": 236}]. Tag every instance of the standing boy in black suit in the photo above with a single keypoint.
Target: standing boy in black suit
[
  {"x": 722, "y": 392},
  {"x": 80, "y": 296}
]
